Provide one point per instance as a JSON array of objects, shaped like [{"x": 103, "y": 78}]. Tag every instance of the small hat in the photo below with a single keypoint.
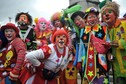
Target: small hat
[
  {"x": 91, "y": 10},
  {"x": 10, "y": 25}
]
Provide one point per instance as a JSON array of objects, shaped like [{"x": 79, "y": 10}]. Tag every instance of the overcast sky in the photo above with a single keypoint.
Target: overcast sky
[{"x": 38, "y": 8}]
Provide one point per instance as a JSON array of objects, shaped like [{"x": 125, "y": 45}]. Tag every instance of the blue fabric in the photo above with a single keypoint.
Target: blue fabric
[
  {"x": 76, "y": 55},
  {"x": 8, "y": 81}
]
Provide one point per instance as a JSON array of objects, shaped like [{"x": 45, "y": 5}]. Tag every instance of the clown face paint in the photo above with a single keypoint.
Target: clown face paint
[
  {"x": 42, "y": 25},
  {"x": 23, "y": 18},
  {"x": 23, "y": 21},
  {"x": 10, "y": 34},
  {"x": 92, "y": 19},
  {"x": 61, "y": 41},
  {"x": 79, "y": 22},
  {"x": 58, "y": 24},
  {"x": 109, "y": 17}
]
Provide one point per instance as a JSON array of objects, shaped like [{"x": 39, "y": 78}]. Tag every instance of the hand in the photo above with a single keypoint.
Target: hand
[
  {"x": 13, "y": 76},
  {"x": 30, "y": 67},
  {"x": 110, "y": 57},
  {"x": 114, "y": 43}
]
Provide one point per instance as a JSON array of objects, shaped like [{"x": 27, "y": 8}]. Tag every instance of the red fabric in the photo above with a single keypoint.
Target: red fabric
[
  {"x": 20, "y": 49},
  {"x": 46, "y": 50},
  {"x": 14, "y": 72},
  {"x": 25, "y": 75},
  {"x": 100, "y": 45},
  {"x": 91, "y": 69},
  {"x": 79, "y": 64}
]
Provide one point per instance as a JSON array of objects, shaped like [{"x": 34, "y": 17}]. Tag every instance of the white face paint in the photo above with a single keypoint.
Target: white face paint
[
  {"x": 61, "y": 41},
  {"x": 10, "y": 34},
  {"x": 92, "y": 19},
  {"x": 42, "y": 26}
]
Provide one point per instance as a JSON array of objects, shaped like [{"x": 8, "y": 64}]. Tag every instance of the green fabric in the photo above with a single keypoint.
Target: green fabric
[
  {"x": 123, "y": 43},
  {"x": 101, "y": 4},
  {"x": 120, "y": 54}
]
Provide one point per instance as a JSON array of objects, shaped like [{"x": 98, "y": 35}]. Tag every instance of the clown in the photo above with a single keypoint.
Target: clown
[
  {"x": 58, "y": 21},
  {"x": 26, "y": 33},
  {"x": 42, "y": 32},
  {"x": 117, "y": 33},
  {"x": 15, "y": 54},
  {"x": 96, "y": 61},
  {"x": 49, "y": 60}
]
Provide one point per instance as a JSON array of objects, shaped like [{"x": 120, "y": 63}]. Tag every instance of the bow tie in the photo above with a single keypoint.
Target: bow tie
[{"x": 89, "y": 28}]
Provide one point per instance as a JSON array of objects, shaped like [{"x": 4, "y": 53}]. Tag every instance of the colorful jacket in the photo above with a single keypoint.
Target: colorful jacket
[{"x": 118, "y": 33}]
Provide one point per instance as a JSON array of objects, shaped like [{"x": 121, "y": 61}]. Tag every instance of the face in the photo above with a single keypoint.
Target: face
[
  {"x": 58, "y": 24},
  {"x": 92, "y": 19},
  {"x": 79, "y": 22},
  {"x": 109, "y": 17},
  {"x": 42, "y": 25},
  {"x": 10, "y": 34},
  {"x": 23, "y": 20},
  {"x": 61, "y": 40}
]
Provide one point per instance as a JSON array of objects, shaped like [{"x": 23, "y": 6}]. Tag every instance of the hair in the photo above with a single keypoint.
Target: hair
[
  {"x": 58, "y": 16},
  {"x": 23, "y": 13},
  {"x": 113, "y": 6},
  {"x": 3, "y": 39},
  {"x": 78, "y": 13}
]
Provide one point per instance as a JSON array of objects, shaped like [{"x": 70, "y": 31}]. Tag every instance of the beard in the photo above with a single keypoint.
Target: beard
[{"x": 22, "y": 25}]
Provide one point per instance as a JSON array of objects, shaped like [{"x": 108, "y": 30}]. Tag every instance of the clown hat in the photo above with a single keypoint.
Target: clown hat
[
  {"x": 10, "y": 25},
  {"x": 91, "y": 10}
]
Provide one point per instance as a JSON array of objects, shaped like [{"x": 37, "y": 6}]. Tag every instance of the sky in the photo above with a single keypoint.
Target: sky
[{"x": 38, "y": 8}]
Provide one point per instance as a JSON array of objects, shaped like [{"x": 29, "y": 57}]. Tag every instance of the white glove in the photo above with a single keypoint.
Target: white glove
[
  {"x": 38, "y": 42},
  {"x": 73, "y": 36}
]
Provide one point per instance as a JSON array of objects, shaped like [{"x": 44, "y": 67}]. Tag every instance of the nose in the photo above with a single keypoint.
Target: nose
[
  {"x": 107, "y": 14},
  {"x": 76, "y": 22}
]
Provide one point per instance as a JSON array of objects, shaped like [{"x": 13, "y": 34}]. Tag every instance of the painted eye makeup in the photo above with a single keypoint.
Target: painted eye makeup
[{"x": 109, "y": 11}]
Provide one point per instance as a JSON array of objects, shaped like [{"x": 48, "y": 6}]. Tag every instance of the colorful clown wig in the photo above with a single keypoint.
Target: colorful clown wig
[
  {"x": 23, "y": 13},
  {"x": 57, "y": 16},
  {"x": 39, "y": 21},
  {"x": 59, "y": 32}
]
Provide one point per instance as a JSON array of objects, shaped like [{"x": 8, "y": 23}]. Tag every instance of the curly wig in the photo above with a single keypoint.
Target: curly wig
[
  {"x": 112, "y": 6},
  {"x": 23, "y": 13}
]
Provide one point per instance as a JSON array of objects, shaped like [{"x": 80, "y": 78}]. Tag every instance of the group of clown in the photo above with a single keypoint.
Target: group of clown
[{"x": 71, "y": 43}]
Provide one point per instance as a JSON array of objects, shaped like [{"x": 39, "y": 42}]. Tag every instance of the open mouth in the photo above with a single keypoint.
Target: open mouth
[
  {"x": 9, "y": 36},
  {"x": 92, "y": 23},
  {"x": 107, "y": 18},
  {"x": 61, "y": 42}
]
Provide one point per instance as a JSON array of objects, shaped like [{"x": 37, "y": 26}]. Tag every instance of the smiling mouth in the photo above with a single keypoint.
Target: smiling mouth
[
  {"x": 107, "y": 18},
  {"x": 9, "y": 36},
  {"x": 61, "y": 42}
]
